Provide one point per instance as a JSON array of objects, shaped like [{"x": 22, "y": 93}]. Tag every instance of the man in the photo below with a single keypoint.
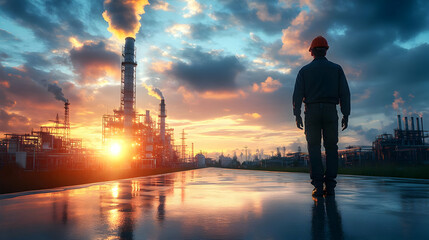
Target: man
[{"x": 321, "y": 85}]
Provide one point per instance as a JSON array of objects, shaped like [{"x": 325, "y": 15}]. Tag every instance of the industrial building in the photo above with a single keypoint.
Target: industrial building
[
  {"x": 49, "y": 148},
  {"x": 405, "y": 145}
]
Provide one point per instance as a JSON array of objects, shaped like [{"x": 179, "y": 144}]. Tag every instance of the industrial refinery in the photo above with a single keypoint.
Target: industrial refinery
[
  {"x": 129, "y": 139},
  {"x": 146, "y": 143}
]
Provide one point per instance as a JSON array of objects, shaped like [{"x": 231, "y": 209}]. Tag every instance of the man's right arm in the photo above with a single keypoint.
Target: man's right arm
[
  {"x": 344, "y": 99},
  {"x": 344, "y": 94}
]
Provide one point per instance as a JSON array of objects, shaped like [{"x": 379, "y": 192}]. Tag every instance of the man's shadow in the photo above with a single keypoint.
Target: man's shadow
[{"x": 326, "y": 210}]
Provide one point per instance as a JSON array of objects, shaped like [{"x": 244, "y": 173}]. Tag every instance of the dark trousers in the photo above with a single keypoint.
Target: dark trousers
[{"x": 321, "y": 120}]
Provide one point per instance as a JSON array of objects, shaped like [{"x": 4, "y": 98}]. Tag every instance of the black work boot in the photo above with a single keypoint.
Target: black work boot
[
  {"x": 330, "y": 184},
  {"x": 317, "y": 192},
  {"x": 329, "y": 191}
]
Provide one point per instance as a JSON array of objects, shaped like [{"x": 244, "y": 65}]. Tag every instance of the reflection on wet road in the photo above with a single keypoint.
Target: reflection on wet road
[{"x": 217, "y": 203}]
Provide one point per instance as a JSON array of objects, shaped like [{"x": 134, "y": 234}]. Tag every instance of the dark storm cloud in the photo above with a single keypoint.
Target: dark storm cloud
[
  {"x": 268, "y": 16},
  {"x": 7, "y": 36},
  {"x": 363, "y": 28},
  {"x": 37, "y": 59},
  {"x": 31, "y": 84},
  {"x": 66, "y": 11},
  {"x": 93, "y": 60},
  {"x": 363, "y": 38},
  {"x": 27, "y": 96},
  {"x": 207, "y": 71},
  {"x": 369, "y": 134},
  {"x": 52, "y": 32},
  {"x": 404, "y": 66},
  {"x": 3, "y": 56},
  {"x": 5, "y": 101},
  {"x": 393, "y": 69},
  {"x": 201, "y": 31},
  {"x": 12, "y": 122}
]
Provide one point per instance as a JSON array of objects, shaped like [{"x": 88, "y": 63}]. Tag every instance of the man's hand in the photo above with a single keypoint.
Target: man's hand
[
  {"x": 299, "y": 123},
  {"x": 345, "y": 122}
]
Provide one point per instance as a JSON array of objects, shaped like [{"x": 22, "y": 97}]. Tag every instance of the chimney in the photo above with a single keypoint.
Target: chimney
[
  {"x": 399, "y": 123},
  {"x": 419, "y": 135},
  {"x": 162, "y": 117},
  {"x": 423, "y": 131},
  {"x": 412, "y": 123},
  {"x": 147, "y": 117},
  {"x": 67, "y": 121},
  {"x": 128, "y": 84},
  {"x": 406, "y": 123},
  {"x": 418, "y": 124}
]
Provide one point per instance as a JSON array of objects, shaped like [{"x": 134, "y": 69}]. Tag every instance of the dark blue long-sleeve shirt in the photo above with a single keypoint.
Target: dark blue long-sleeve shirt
[{"x": 321, "y": 81}]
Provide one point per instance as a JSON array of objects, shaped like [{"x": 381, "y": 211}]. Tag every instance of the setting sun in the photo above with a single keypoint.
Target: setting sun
[{"x": 115, "y": 149}]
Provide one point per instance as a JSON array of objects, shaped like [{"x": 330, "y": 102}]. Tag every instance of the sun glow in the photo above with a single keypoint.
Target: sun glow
[{"x": 115, "y": 149}]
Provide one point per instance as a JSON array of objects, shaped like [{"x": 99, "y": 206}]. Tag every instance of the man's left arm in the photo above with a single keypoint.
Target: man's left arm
[
  {"x": 298, "y": 95},
  {"x": 344, "y": 99}
]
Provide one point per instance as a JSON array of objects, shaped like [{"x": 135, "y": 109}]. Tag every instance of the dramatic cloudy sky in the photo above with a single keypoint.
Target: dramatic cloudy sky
[{"x": 226, "y": 68}]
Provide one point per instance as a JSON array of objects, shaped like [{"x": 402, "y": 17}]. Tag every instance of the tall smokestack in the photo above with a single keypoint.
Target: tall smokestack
[
  {"x": 147, "y": 117},
  {"x": 162, "y": 118},
  {"x": 418, "y": 124},
  {"x": 406, "y": 123},
  {"x": 423, "y": 131},
  {"x": 412, "y": 123},
  {"x": 67, "y": 120},
  {"x": 128, "y": 84},
  {"x": 399, "y": 123},
  {"x": 419, "y": 134}
]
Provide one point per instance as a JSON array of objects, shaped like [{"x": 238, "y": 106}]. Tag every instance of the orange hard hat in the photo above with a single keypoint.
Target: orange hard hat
[{"x": 319, "y": 41}]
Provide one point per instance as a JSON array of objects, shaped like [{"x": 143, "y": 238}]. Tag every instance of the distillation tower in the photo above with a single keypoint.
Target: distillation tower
[{"x": 128, "y": 85}]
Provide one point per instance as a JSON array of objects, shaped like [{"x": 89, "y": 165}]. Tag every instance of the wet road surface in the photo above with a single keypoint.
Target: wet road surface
[{"x": 215, "y": 203}]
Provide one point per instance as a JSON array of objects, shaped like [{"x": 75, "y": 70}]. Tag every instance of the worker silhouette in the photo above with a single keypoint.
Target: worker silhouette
[{"x": 321, "y": 85}]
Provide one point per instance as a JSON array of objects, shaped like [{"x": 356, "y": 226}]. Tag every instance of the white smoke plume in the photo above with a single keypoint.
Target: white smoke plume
[{"x": 154, "y": 92}]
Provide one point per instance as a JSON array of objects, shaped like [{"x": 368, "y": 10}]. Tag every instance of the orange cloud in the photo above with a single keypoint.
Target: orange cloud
[
  {"x": 124, "y": 16},
  {"x": 161, "y": 66},
  {"x": 253, "y": 115},
  {"x": 268, "y": 86},
  {"x": 95, "y": 71},
  {"x": 292, "y": 43},
  {"x": 222, "y": 95},
  {"x": 5, "y": 84},
  {"x": 75, "y": 42},
  {"x": 190, "y": 96},
  {"x": 187, "y": 95}
]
